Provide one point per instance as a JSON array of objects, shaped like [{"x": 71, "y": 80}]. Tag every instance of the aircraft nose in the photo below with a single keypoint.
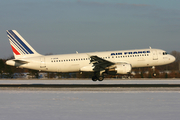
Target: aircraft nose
[{"x": 172, "y": 58}]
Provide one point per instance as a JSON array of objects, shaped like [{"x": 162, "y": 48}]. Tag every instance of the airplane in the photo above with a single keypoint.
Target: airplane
[{"x": 100, "y": 63}]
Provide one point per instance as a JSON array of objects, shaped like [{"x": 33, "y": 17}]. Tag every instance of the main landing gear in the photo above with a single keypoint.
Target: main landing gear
[{"x": 99, "y": 77}]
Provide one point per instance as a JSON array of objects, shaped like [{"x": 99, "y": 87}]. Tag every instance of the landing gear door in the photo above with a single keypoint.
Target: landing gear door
[
  {"x": 155, "y": 55},
  {"x": 42, "y": 62}
]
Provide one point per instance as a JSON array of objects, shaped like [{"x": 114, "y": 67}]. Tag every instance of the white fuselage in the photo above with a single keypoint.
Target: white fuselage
[{"x": 76, "y": 62}]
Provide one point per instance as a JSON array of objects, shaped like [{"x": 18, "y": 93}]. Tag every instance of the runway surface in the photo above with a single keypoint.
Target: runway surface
[{"x": 85, "y": 85}]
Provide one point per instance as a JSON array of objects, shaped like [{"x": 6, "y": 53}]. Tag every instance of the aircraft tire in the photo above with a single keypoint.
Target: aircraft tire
[
  {"x": 94, "y": 78},
  {"x": 101, "y": 78},
  {"x": 154, "y": 74}
]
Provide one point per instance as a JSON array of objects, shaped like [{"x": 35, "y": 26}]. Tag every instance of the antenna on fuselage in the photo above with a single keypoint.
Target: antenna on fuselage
[{"x": 149, "y": 47}]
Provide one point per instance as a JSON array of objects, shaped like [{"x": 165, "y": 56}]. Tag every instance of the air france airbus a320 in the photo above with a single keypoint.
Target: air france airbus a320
[{"x": 109, "y": 62}]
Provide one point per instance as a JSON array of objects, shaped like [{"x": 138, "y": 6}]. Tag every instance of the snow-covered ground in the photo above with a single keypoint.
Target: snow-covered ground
[
  {"x": 89, "y": 105},
  {"x": 79, "y": 105}
]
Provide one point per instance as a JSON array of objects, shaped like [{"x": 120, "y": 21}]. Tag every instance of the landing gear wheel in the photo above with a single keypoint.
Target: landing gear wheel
[
  {"x": 154, "y": 74},
  {"x": 94, "y": 78},
  {"x": 101, "y": 78}
]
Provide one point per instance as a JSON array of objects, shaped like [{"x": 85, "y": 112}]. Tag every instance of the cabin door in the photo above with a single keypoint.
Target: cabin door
[
  {"x": 42, "y": 62},
  {"x": 155, "y": 55}
]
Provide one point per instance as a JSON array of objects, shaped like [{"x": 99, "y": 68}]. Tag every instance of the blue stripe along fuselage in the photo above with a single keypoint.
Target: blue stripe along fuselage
[
  {"x": 130, "y": 53},
  {"x": 20, "y": 41}
]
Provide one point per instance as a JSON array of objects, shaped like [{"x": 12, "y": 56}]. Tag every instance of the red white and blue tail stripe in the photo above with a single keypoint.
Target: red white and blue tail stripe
[{"x": 19, "y": 45}]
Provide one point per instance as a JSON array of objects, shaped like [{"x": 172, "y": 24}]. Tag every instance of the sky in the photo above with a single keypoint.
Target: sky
[{"x": 67, "y": 26}]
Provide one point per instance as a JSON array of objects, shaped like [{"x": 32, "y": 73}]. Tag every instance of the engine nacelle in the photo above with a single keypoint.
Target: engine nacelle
[{"x": 123, "y": 68}]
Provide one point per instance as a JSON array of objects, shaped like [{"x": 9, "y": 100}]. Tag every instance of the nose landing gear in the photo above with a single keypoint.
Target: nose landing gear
[{"x": 154, "y": 73}]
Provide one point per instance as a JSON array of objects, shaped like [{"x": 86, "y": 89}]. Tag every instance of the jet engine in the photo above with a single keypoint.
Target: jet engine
[{"x": 123, "y": 68}]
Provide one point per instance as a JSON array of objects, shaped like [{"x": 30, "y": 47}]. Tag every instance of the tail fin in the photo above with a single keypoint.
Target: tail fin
[{"x": 20, "y": 47}]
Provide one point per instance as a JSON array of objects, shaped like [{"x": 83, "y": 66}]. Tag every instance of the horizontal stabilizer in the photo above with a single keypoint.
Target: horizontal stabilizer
[{"x": 21, "y": 61}]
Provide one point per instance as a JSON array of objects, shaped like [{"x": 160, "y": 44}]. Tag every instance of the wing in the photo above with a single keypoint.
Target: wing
[{"x": 99, "y": 63}]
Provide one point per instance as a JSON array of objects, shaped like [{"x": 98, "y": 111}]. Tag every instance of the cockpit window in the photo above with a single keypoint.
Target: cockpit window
[{"x": 165, "y": 53}]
